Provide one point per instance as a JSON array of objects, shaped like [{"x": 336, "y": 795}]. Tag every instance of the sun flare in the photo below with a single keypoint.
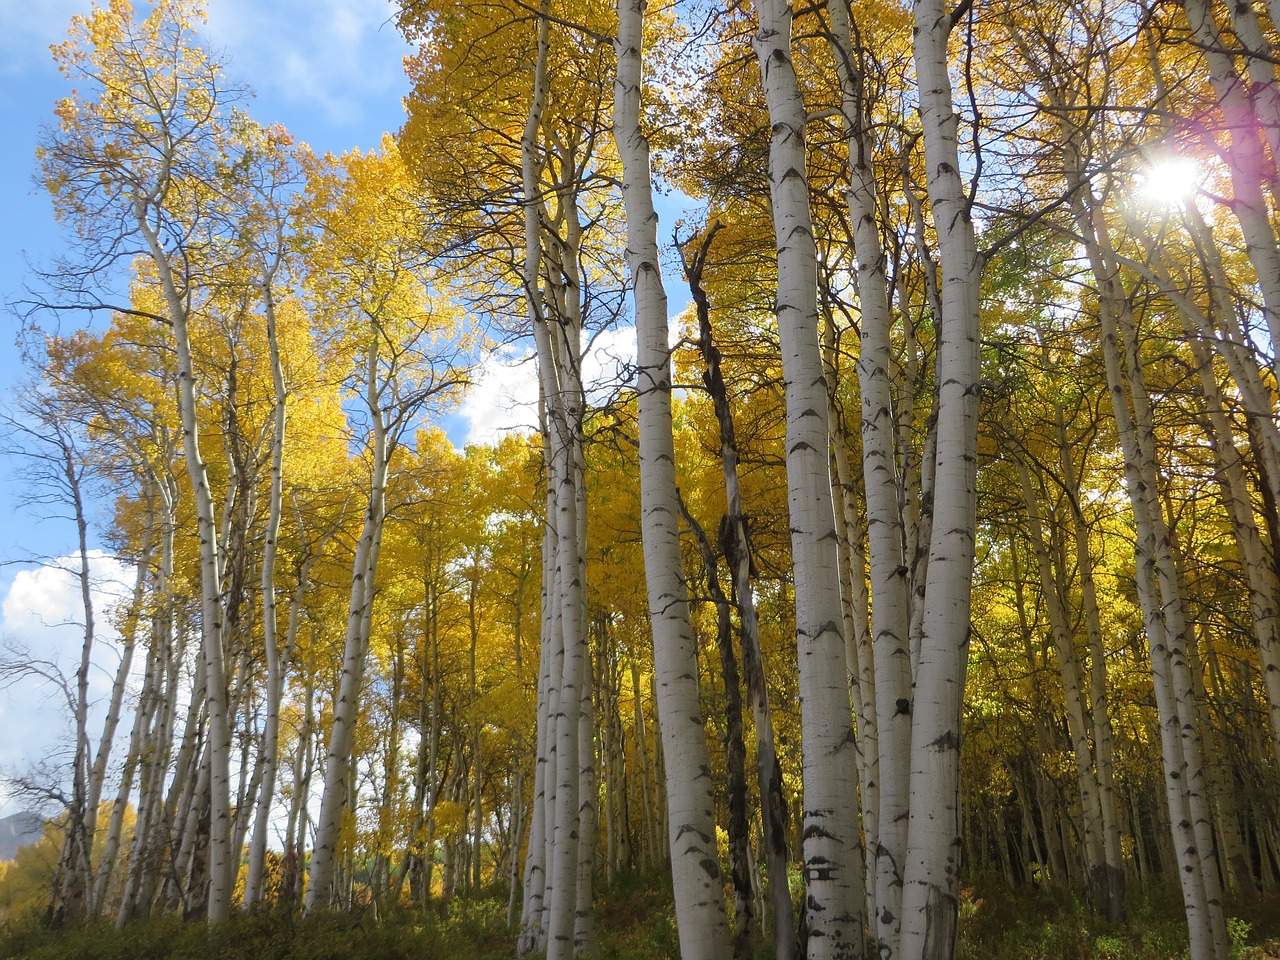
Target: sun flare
[{"x": 1169, "y": 182}]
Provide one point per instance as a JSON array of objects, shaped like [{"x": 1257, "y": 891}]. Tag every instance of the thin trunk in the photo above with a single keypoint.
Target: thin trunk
[
  {"x": 891, "y": 618},
  {"x": 1159, "y": 597},
  {"x": 1069, "y": 670},
  {"x": 931, "y": 876},
  {"x": 338, "y": 780},
  {"x": 221, "y": 865},
  {"x": 276, "y": 663},
  {"x": 834, "y": 882},
  {"x": 1247, "y": 162},
  {"x": 701, "y": 922},
  {"x": 735, "y": 751},
  {"x": 737, "y": 547}
]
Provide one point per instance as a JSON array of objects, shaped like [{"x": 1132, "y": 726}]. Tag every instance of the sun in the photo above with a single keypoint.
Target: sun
[{"x": 1169, "y": 182}]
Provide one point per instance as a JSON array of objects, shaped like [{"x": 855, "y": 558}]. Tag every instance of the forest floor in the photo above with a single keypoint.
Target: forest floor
[{"x": 635, "y": 921}]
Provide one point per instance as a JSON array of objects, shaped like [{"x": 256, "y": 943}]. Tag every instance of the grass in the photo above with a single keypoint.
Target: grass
[
  {"x": 1047, "y": 925},
  {"x": 635, "y": 921},
  {"x": 468, "y": 928}
]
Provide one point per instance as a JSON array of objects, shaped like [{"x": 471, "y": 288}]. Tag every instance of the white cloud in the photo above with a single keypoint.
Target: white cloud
[
  {"x": 42, "y": 616},
  {"x": 504, "y": 395},
  {"x": 336, "y": 56},
  {"x": 610, "y": 363}
]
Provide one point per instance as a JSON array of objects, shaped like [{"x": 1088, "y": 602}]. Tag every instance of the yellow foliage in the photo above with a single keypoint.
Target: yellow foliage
[{"x": 450, "y": 820}]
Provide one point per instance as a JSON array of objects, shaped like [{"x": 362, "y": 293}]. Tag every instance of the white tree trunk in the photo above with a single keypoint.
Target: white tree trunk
[
  {"x": 555, "y": 327},
  {"x": 339, "y": 786},
  {"x": 532, "y": 936},
  {"x": 931, "y": 875},
  {"x": 221, "y": 863},
  {"x": 834, "y": 881},
  {"x": 891, "y": 618},
  {"x": 1247, "y": 162},
  {"x": 703, "y": 930},
  {"x": 1158, "y": 595},
  {"x": 1092, "y": 832},
  {"x": 1099, "y": 709},
  {"x": 738, "y": 557},
  {"x": 1245, "y": 373},
  {"x": 585, "y": 945},
  {"x": 111, "y": 844},
  {"x": 276, "y": 663}
]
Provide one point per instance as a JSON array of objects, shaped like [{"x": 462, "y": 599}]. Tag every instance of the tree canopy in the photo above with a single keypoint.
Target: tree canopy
[{"x": 959, "y": 468}]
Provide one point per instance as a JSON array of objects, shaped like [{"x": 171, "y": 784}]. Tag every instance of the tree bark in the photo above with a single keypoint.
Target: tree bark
[
  {"x": 700, "y": 917},
  {"x": 834, "y": 882},
  {"x": 930, "y": 895}
]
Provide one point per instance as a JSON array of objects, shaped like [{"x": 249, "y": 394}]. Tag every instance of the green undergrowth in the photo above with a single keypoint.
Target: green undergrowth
[
  {"x": 1044, "y": 925},
  {"x": 635, "y": 919},
  {"x": 466, "y": 928}
]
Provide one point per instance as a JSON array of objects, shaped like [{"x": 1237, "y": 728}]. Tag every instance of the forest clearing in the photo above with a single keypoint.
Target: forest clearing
[{"x": 888, "y": 566}]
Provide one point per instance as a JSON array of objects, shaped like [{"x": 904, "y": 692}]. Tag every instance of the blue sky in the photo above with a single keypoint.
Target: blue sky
[{"x": 330, "y": 71}]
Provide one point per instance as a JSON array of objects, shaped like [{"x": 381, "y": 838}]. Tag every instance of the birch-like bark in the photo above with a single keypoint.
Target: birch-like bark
[
  {"x": 700, "y": 917},
  {"x": 891, "y": 617},
  {"x": 1223, "y": 330},
  {"x": 1179, "y": 638},
  {"x": 1092, "y": 832},
  {"x": 735, "y": 750},
  {"x": 649, "y": 802},
  {"x": 1202, "y": 334},
  {"x": 558, "y": 357},
  {"x": 221, "y": 862},
  {"x": 276, "y": 663},
  {"x": 73, "y": 877},
  {"x": 532, "y": 935},
  {"x": 338, "y": 782},
  {"x": 1248, "y": 163},
  {"x": 585, "y": 944},
  {"x": 1264, "y": 587},
  {"x": 931, "y": 875},
  {"x": 153, "y": 722},
  {"x": 859, "y": 659},
  {"x": 1157, "y": 591},
  {"x": 834, "y": 882},
  {"x": 1263, "y": 90},
  {"x": 855, "y": 605},
  {"x": 918, "y": 470},
  {"x": 111, "y": 843},
  {"x": 562, "y": 866},
  {"x": 1099, "y": 706}
]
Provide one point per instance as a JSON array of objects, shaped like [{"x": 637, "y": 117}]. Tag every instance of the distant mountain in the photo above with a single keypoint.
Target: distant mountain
[{"x": 18, "y": 831}]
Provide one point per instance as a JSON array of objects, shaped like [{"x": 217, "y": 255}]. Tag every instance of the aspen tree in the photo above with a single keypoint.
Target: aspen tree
[
  {"x": 371, "y": 279},
  {"x": 889, "y": 596},
  {"x": 1093, "y": 832},
  {"x": 1247, "y": 161},
  {"x": 701, "y": 920},
  {"x": 118, "y": 384},
  {"x": 1166, "y": 630},
  {"x": 51, "y": 444},
  {"x": 834, "y": 891},
  {"x": 1157, "y": 579},
  {"x": 114, "y": 177},
  {"x": 274, "y": 173},
  {"x": 773, "y": 813},
  {"x": 1204, "y": 330},
  {"x": 556, "y": 337},
  {"x": 930, "y": 895}
]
